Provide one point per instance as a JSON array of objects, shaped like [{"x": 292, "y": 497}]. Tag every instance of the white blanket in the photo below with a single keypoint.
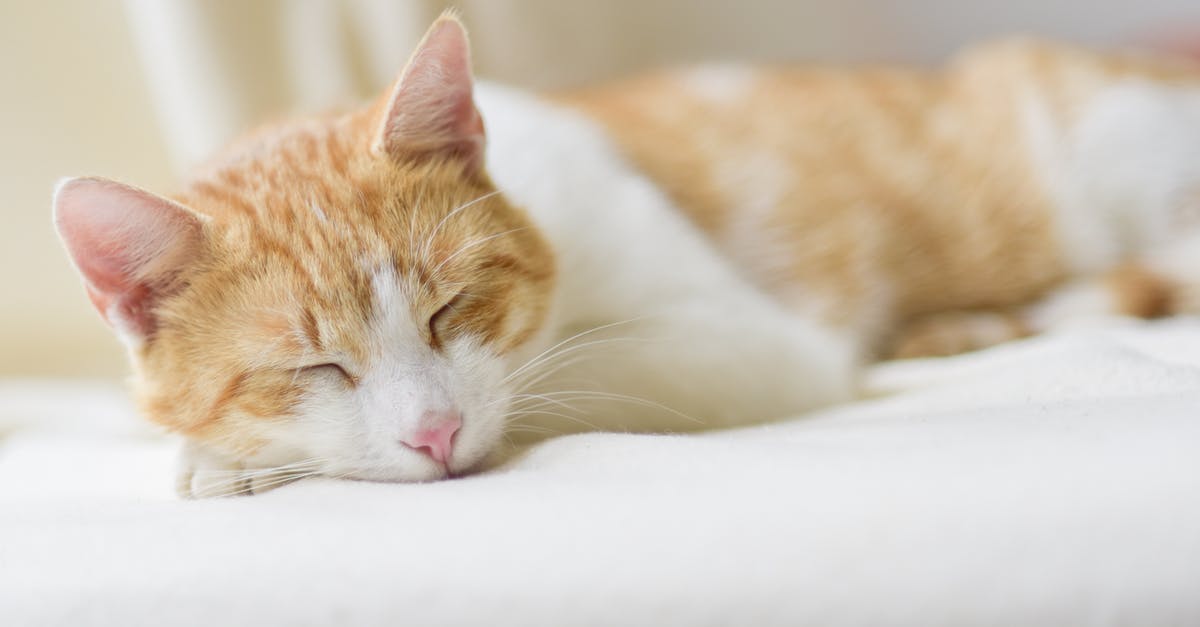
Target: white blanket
[{"x": 1053, "y": 482}]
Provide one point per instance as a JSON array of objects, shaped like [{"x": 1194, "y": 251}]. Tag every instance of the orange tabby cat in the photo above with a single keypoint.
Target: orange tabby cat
[{"x": 384, "y": 294}]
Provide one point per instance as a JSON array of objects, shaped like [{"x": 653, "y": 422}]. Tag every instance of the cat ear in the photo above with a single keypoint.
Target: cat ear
[
  {"x": 430, "y": 108},
  {"x": 128, "y": 244}
]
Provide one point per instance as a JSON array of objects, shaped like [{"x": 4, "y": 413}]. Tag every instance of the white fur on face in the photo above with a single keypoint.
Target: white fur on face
[{"x": 358, "y": 432}]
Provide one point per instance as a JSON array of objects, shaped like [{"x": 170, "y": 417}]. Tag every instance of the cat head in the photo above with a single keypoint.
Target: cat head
[{"x": 347, "y": 289}]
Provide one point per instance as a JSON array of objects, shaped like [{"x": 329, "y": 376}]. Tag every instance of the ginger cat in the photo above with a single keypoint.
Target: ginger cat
[{"x": 386, "y": 294}]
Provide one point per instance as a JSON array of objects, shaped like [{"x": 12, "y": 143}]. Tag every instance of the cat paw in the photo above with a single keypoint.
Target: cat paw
[
  {"x": 202, "y": 475},
  {"x": 951, "y": 333}
]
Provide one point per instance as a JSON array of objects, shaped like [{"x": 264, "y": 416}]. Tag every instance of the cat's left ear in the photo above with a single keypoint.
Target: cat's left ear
[{"x": 431, "y": 109}]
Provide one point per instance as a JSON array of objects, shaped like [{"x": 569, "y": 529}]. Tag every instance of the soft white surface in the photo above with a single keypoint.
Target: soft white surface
[{"x": 1054, "y": 482}]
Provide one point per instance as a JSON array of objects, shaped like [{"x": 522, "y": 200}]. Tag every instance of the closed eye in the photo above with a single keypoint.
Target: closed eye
[
  {"x": 333, "y": 369},
  {"x": 440, "y": 318}
]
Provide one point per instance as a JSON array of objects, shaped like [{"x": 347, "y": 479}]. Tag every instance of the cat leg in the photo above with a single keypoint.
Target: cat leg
[
  {"x": 1135, "y": 289},
  {"x": 1130, "y": 290},
  {"x": 1175, "y": 270},
  {"x": 954, "y": 332}
]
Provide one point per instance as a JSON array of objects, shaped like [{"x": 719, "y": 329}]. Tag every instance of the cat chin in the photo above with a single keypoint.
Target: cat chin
[{"x": 406, "y": 468}]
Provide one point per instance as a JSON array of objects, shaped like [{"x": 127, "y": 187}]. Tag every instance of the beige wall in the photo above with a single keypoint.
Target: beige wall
[{"x": 73, "y": 102}]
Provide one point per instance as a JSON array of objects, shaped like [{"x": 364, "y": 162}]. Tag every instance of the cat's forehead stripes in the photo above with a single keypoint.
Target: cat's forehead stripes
[{"x": 311, "y": 329}]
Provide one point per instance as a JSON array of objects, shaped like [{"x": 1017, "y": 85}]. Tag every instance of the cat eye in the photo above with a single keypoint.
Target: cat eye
[
  {"x": 333, "y": 369},
  {"x": 438, "y": 321}
]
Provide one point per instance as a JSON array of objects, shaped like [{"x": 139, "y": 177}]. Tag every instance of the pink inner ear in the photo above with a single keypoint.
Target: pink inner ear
[
  {"x": 432, "y": 108},
  {"x": 129, "y": 310},
  {"x": 127, "y": 243}
]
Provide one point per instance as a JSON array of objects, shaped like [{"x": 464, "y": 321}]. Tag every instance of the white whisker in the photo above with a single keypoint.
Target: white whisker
[
  {"x": 424, "y": 252},
  {"x": 537, "y": 377},
  {"x": 536, "y": 359},
  {"x": 472, "y": 244}
]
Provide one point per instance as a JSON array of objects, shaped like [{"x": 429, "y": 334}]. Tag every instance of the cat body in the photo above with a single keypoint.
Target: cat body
[
  {"x": 1024, "y": 187},
  {"x": 386, "y": 294},
  {"x": 871, "y": 199}
]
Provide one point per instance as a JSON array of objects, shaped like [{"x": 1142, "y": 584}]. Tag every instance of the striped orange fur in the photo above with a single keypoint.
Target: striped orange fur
[{"x": 888, "y": 195}]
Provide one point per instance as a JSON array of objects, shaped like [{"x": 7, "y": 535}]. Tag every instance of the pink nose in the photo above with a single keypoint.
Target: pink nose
[{"x": 435, "y": 435}]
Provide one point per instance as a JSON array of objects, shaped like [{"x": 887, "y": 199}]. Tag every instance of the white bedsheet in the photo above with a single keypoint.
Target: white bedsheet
[{"x": 1053, "y": 482}]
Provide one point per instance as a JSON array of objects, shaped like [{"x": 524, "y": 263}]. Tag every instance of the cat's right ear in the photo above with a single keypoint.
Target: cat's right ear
[{"x": 128, "y": 244}]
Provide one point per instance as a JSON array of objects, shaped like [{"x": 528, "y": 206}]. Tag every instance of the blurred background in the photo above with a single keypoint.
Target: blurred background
[{"x": 140, "y": 90}]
